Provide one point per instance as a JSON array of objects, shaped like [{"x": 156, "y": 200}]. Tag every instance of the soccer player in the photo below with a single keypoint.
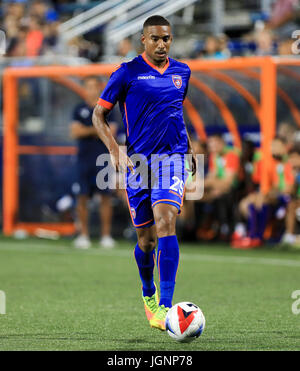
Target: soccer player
[
  {"x": 89, "y": 148},
  {"x": 150, "y": 90}
]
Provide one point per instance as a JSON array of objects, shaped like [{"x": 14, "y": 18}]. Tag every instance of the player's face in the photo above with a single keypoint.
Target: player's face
[{"x": 157, "y": 41}]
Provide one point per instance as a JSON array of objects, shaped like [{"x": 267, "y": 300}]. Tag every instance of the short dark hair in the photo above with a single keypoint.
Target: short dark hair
[{"x": 156, "y": 20}]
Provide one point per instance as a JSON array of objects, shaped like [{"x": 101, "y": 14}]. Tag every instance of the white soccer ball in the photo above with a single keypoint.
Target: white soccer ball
[{"x": 185, "y": 322}]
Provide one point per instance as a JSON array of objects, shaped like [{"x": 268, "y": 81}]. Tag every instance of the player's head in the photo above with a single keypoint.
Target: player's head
[
  {"x": 92, "y": 87},
  {"x": 157, "y": 38}
]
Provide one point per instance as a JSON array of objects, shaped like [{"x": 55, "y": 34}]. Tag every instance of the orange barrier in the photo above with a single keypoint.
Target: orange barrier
[{"x": 265, "y": 110}]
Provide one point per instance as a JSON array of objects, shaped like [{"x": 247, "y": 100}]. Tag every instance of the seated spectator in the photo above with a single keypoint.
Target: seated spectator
[
  {"x": 187, "y": 219},
  {"x": 221, "y": 182},
  {"x": 289, "y": 236},
  {"x": 257, "y": 207},
  {"x": 287, "y": 132},
  {"x": 251, "y": 162}
]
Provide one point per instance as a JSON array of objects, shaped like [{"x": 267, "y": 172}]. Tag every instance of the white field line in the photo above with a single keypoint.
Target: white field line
[{"x": 65, "y": 249}]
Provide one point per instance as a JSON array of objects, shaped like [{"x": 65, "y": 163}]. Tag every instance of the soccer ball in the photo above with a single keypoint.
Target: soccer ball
[{"x": 185, "y": 322}]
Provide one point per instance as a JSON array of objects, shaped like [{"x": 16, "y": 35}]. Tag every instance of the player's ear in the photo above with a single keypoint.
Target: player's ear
[{"x": 143, "y": 38}]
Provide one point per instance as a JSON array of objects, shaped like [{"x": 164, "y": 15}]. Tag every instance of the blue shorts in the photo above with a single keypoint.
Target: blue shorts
[{"x": 164, "y": 183}]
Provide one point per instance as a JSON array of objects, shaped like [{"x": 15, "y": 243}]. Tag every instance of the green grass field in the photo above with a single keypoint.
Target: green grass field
[{"x": 58, "y": 298}]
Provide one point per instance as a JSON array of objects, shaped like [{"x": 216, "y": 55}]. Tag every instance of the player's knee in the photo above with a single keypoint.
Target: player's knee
[
  {"x": 165, "y": 224},
  {"x": 147, "y": 244}
]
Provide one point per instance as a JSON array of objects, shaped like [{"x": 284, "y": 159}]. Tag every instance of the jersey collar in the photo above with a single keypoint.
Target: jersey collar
[{"x": 160, "y": 70}]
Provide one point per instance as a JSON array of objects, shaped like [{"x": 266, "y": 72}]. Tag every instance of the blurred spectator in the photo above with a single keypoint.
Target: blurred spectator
[
  {"x": 264, "y": 43},
  {"x": 89, "y": 148},
  {"x": 34, "y": 37},
  {"x": 38, "y": 8},
  {"x": 289, "y": 236},
  {"x": 214, "y": 48},
  {"x": 51, "y": 38},
  {"x": 188, "y": 217},
  {"x": 17, "y": 48},
  {"x": 16, "y": 9},
  {"x": 79, "y": 47},
  {"x": 223, "y": 45},
  {"x": 283, "y": 18},
  {"x": 287, "y": 132},
  {"x": 221, "y": 182},
  {"x": 262, "y": 209},
  {"x": 285, "y": 47},
  {"x": 126, "y": 50}
]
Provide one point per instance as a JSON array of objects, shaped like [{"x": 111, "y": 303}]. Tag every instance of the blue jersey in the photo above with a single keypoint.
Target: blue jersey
[
  {"x": 88, "y": 147},
  {"x": 150, "y": 101}
]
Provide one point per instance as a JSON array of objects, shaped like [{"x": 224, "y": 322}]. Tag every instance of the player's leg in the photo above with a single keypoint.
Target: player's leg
[
  {"x": 144, "y": 254},
  {"x": 167, "y": 250},
  {"x": 167, "y": 199},
  {"x": 139, "y": 205},
  {"x": 167, "y": 259},
  {"x": 106, "y": 212}
]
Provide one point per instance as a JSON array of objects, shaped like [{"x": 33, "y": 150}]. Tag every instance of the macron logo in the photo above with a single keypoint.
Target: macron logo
[{"x": 150, "y": 77}]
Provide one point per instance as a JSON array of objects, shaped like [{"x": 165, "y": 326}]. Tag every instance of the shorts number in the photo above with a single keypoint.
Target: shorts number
[{"x": 178, "y": 185}]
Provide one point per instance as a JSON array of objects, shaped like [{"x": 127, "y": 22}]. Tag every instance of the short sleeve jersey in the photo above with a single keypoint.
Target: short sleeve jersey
[{"x": 151, "y": 104}]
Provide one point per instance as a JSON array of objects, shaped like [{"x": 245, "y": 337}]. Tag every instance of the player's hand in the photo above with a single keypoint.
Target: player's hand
[
  {"x": 192, "y": 162},
  {"x": 121, "y": 161}
]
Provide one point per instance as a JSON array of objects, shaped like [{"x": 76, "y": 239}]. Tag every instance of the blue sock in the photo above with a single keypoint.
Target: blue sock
[
  {"x": 262, "y": 218},
  {"x": 146, "y": 262},
  {"x": 167, "y": 263},
  {"x": 252, "y": 221}
]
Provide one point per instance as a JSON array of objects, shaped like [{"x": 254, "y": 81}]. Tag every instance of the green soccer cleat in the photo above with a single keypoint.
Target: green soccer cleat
[
  {"x": 151, "y": 304},
  {"x": 159, "y": 318}
]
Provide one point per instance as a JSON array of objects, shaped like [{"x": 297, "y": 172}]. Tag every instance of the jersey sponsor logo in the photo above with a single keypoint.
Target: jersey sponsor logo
[
  {"x": 177, "y": 81},
  {"x": 149, "y": 77}
]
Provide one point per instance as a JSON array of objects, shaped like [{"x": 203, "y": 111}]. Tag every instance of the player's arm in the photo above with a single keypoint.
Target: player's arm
[
  {"x": 78, "y": 130},
  {"x": 119, "y": 159}
]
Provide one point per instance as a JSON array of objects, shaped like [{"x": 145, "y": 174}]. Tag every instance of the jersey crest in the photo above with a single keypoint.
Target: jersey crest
[{"x": 177, "y": 81}]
